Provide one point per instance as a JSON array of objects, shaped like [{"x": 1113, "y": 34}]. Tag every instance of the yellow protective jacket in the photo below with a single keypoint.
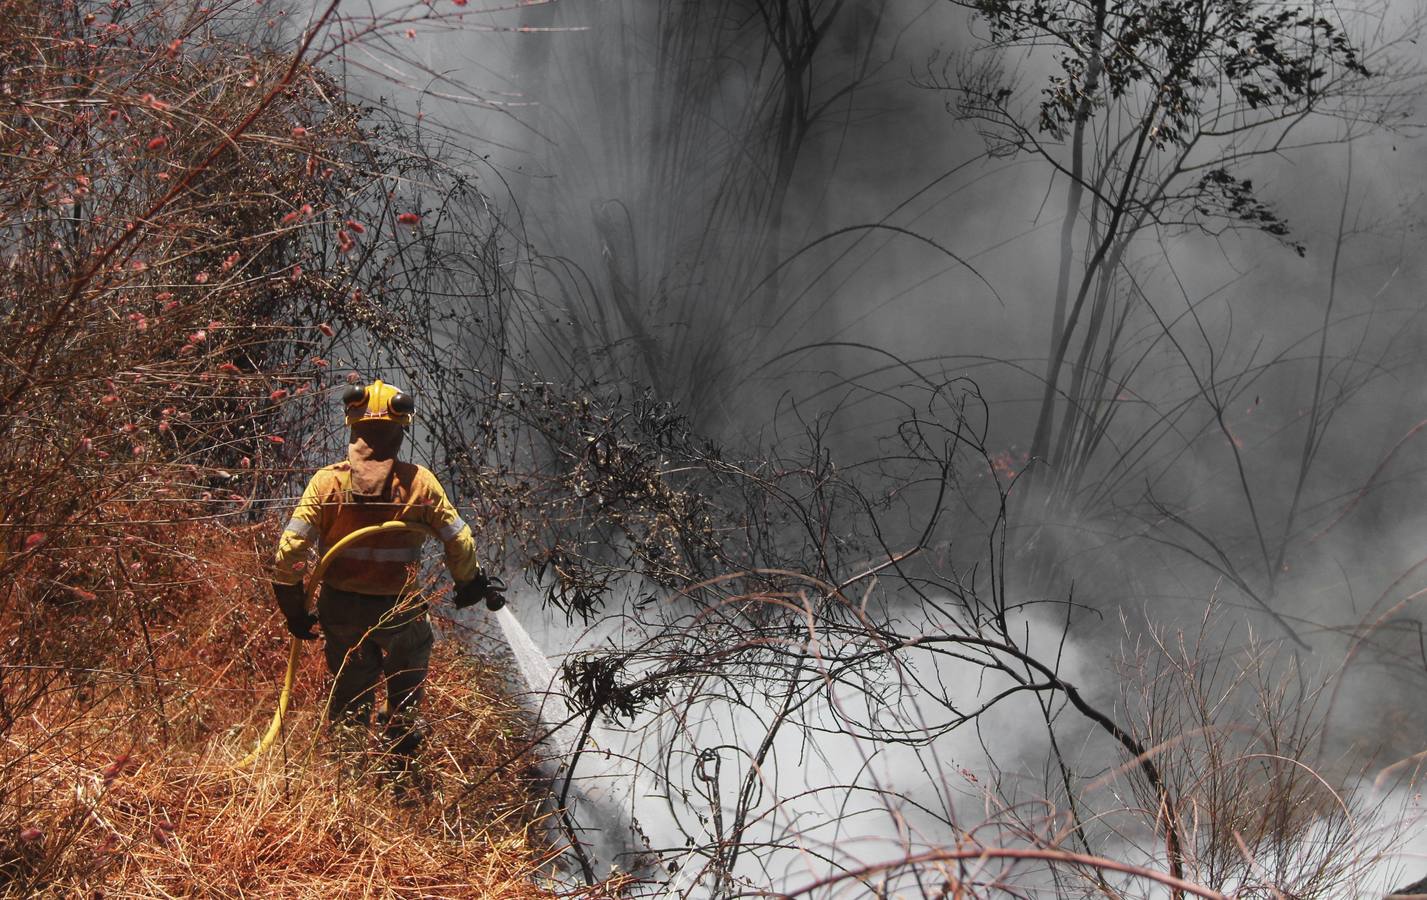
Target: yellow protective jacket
[{"x": 382, "y": 564}]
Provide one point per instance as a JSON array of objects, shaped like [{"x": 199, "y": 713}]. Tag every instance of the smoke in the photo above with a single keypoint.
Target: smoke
[{"x": 762, "y": 278}]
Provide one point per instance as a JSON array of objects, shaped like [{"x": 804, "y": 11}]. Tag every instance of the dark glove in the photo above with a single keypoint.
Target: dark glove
[
  {"x": 301, "y": 626},
  {"x": 292, "y": 600},
  {"x": 495, "y": 595},
  {"x": 482, "y": 587}
]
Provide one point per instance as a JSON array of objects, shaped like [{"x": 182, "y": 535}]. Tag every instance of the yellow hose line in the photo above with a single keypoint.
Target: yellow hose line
[{"x": 294, "y": 652}]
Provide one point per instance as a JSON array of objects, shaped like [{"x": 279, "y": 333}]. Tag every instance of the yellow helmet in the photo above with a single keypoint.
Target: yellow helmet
[{"x": 378, "y": 402}]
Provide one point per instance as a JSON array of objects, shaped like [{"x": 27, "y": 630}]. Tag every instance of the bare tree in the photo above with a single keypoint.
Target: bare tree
[
  {"x": 1152, "y": 116},
  {"x": 673, "y": 163}
]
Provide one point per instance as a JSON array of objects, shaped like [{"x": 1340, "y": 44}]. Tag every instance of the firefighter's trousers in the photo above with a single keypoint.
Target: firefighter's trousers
[{"x": 368, "y": 637}]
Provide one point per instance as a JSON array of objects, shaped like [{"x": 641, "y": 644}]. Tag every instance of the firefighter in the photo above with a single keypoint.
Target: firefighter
[{"x": 374, "y": 624}]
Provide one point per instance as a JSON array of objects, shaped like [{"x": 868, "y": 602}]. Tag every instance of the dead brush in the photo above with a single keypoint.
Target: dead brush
[
  {"x": 122, "y": 780},
  {"x": 179, "y": 221},
  {"x": 1236, "y": 730}
]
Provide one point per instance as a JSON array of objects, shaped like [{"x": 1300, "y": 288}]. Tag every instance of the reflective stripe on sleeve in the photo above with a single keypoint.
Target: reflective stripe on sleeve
[
  {"x": 449, "y": 531},
  {"x": 382, "y": 554},
  {"x": 301, "y": 528}
]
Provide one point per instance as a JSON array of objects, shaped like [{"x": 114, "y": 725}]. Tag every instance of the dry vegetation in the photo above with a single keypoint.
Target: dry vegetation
[
  {"x": 172, "y": 216},
  {"x": 120, "y": 777},
  {"x": 196, "y": 225}
]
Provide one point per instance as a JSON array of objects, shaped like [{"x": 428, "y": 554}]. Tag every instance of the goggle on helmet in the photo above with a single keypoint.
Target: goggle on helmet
[{"x": 378, "y": 402}]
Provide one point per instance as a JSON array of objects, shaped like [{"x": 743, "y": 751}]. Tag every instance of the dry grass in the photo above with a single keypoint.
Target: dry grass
[
  {"x": 120, "y": 779},
  {"x": 181, "y": 222}
]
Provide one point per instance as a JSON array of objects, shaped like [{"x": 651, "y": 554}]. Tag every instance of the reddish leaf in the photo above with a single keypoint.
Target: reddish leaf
[{"x": 116, "y": 767}]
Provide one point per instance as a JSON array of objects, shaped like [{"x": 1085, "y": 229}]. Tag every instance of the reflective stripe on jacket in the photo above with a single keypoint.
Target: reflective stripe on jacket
[{"x": 330, "y": 510}]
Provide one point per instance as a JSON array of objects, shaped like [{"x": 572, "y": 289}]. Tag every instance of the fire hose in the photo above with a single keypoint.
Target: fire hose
[{"x": 294, "y": 652}]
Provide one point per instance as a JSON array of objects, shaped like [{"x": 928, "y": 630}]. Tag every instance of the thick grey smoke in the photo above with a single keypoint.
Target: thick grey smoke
[{"x": 691, "y": 244}]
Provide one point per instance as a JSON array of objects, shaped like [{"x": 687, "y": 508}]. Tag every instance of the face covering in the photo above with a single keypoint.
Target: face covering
[{"x": 372, "y": 454}]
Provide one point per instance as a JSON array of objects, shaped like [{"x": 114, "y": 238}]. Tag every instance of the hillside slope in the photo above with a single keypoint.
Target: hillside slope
[{"x": 119, "y": 780}]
